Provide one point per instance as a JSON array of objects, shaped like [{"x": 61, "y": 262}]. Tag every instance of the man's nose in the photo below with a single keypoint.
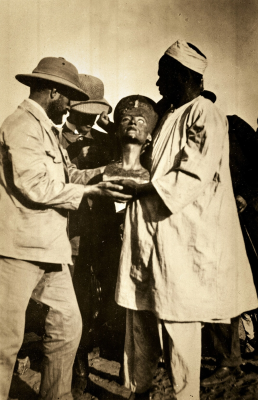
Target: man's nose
[{"x": 157, "y": 83}]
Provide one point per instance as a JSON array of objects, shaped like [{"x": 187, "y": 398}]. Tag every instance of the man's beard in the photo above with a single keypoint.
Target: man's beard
[{"x": 55, "y": 111}]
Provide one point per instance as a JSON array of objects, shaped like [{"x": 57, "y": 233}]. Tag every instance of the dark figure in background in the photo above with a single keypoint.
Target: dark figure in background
[
  {"x": 94, "y": 234},
  {"x": 243, "y": 146},
  {"x": 86, "y": 147},
  {"x": 243, "y": 142}
]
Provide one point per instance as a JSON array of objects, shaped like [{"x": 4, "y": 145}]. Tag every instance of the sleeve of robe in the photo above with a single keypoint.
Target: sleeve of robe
[{"x": 206, "y": 134}]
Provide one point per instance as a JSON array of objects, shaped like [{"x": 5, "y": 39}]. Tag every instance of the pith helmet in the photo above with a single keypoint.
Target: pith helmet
[
  {"x": 58, "y": 70},
  {"x": 94, "y": 87}
]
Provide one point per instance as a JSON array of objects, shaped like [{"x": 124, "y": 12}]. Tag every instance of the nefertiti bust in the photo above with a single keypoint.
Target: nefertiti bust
[{"x": 135, "y": 118}]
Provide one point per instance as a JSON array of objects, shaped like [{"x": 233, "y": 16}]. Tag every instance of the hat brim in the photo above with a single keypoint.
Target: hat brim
[
  {"x": 73, "y": 92},
  {"x": 92, "y": 106}
]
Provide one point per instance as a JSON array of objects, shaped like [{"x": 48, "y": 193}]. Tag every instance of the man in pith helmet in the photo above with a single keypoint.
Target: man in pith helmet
[
  {"x": 87, "y": 147},
  {"x": 38, "y": 185},
  {"x": 93, "y": 228}
]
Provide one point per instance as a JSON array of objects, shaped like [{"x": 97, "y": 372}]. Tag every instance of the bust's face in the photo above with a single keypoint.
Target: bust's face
[{"x": 133, "y": 129}]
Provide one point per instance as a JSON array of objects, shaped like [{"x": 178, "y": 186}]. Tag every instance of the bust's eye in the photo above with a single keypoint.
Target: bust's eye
[
  {"x": 141, "y": 121},
  {"x": 125, "y": 119}
]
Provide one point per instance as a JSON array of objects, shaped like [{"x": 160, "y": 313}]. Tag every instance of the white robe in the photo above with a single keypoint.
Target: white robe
[{"x": 183, "y": 255}]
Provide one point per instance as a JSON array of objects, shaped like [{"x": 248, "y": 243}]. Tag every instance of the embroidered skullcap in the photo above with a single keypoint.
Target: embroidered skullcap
[
  {"x": 187, "y": 56},
  {"x": 137, "y": 105}
]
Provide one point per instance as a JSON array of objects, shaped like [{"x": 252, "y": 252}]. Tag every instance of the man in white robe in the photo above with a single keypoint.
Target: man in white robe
[{"x": 183, "y": 260}]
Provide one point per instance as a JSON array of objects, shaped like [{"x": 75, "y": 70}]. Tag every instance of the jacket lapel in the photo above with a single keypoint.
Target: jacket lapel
[
  {"x": 64, "y": 154},
  {"x": 52, "y": 131}
]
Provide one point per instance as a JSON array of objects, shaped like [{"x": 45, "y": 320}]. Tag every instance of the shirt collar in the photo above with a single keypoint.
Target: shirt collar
[
  {"x": 38, "y": 106},
  {"x": 41, "y": 109}
]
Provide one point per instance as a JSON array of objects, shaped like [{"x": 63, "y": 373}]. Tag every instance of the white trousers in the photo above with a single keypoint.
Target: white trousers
[
  {"x": 20, "y": 280},
  {"x": 182, "y": 352}
]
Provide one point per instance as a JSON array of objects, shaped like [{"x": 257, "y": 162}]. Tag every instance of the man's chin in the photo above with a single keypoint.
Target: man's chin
[{"x": 129, "y": 139}]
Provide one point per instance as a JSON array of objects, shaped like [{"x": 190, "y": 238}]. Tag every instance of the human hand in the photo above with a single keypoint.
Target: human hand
[
  {"x": 129, "y": 186},
  {"x": 107, "y": 189},
  {"x": 241, "y": 203},
  {"x": 103, "y": 120},
  {"x": 75, "y": 148}
]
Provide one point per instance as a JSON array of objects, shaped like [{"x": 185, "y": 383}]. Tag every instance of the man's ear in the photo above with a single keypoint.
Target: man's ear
[
  {"x": 149, "y": 137},
  {"x": 54, "y": 95}
]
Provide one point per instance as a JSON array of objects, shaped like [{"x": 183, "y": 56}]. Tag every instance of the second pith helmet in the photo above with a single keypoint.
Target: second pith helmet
[{"x": 94, "y": 87}]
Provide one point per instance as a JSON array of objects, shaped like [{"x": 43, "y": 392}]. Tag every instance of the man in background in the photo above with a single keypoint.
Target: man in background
[
  {"x": 243, "y": 151},
  {"x": 87, "y": 147},
  {"x": 94, "y": 232}
]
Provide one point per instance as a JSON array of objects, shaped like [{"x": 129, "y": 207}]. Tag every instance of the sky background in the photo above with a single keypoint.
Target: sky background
[{"x": 121, "y": 42}]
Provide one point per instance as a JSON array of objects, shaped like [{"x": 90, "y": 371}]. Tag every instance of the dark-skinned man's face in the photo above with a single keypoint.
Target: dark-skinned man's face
[{"x": 170, "y": 82}]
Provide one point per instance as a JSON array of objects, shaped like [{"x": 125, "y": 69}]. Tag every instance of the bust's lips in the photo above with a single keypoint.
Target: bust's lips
[
  {"x": 131, "y": 131},
  {"x": 131, "y": 128}
]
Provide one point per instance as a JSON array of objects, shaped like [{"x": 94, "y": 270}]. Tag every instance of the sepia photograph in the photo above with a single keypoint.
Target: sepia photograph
[{"x": 129, "y": 200}]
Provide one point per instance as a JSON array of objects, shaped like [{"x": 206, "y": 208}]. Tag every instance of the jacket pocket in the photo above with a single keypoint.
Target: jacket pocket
[
  {"x": 55, "y": 155},
  {"x": 32, "y": 229}
]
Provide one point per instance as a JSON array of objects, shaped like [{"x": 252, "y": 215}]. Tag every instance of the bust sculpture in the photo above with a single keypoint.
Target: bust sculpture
[{"x": 135, "y": 119}]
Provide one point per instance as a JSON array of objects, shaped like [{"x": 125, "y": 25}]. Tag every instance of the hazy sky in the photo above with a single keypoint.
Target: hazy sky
[{"x": 121, "y": 42}]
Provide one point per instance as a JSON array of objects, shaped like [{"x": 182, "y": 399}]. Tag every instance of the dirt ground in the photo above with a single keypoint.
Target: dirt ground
[{"x": 104, "y": 379}]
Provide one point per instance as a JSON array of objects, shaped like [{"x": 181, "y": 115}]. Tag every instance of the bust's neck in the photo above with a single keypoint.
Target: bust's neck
[{"x": 131, "y": 156}]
